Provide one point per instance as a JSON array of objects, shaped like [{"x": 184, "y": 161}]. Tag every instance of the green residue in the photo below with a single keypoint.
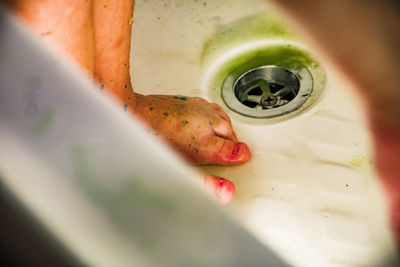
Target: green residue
[
  {"x": 262, "y": 27},
  {"x": 358, "y": 160},
  {"x": 184, "y": 98},
  {"x": 281, "y": 55},
  {"x": 258, "y": 27},
  {"x": 285, "y": 56},
  {"x": 44, "y": 123},
  {"x": 125, "y": 107}
]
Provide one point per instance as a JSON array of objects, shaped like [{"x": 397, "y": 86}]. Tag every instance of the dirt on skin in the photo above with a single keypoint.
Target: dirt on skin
[{"x": 199, "y": 130}]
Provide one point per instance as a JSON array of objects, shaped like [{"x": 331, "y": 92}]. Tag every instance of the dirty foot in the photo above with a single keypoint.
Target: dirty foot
[{"x": 199, "y": 130}]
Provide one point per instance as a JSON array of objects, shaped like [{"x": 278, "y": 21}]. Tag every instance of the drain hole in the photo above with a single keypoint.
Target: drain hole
[
  {"x": 268, "y": 91},
  {"x": 255, "y": 91},
  {"x": 249, "y": 104},
  {"x": 266, "y": 88},
  {"x": 275, "y": 87}
]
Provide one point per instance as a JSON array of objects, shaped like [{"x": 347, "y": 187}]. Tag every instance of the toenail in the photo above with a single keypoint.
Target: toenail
[
  {"x": 225, "y": 191},
  {"x": 221, "y": 185},
  {"x": 240, "y": 153},
  {"x": 237, "y": 148}
]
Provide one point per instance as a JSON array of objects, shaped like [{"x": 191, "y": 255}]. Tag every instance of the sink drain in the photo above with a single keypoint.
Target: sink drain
[{"x": 267, "y": 91}]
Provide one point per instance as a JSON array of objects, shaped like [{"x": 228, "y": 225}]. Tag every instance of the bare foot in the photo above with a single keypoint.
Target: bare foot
[{"x": 199, "y": 130}]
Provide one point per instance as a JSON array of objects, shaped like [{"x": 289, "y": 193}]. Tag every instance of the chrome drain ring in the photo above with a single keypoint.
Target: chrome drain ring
[{"x": 267, "y": 91}]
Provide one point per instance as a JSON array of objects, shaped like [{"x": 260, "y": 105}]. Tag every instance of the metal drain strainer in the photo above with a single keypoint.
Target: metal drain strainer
[{"x": 267, "y": 91}]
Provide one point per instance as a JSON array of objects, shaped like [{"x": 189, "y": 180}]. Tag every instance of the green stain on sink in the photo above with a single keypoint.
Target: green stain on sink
[
  {"x": 259, "y": 27},
  {"x": 358, "y": 160},
  {"x": 284, "y": 55},
  {"x": 281, "y": 55},
  {"x": 264, "y": 26}
]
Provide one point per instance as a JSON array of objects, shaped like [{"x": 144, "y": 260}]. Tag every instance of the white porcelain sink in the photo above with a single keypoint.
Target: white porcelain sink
[{"x": 309, "y": 190}]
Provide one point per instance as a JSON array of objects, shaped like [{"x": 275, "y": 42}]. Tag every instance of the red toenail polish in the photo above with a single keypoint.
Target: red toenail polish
[
  {"x": 237, "y": 148},
  {"x": 240, "y": 153},
  {"x": 225, "y": 191},
  {"x": 221, "y": 186}
]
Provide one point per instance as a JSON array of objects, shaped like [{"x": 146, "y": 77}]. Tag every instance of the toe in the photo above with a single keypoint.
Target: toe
[
  {"x": 223, "y": 189},
  {"x": 224, "y": 116},
  {"x": 233, "y": 152},
  {"x": 217, "y": 150},
  {"x": 224, "y": 129}
]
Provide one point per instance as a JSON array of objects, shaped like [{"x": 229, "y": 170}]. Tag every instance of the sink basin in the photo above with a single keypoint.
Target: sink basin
[{"x": 310, "y": 190}]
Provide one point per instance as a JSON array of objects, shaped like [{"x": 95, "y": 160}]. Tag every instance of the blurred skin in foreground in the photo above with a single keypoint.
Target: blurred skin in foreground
[{"x": 362, "y": 38}]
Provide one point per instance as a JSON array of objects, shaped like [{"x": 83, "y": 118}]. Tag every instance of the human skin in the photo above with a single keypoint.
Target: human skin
[
  {"x": 208, "y": 139},
  {"x": 97, "y": 35},
  {"x": 362, "y": 38}
]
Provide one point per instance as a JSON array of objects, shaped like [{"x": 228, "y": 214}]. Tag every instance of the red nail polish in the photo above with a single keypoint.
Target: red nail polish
[
  {"x": 236, "y": 149},
  {"x": 225, "y": 191},
  {"x": 240, "y": 153}
]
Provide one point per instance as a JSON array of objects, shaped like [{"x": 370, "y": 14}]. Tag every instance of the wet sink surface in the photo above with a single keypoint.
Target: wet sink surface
[{"x": 309, "y": 190}]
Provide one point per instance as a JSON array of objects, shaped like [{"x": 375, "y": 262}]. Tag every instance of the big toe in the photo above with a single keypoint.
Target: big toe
[
  {"x": 218, "y": 150},
  {"x": 233, "y": 152},
  {"x": 223, "y": 189}
]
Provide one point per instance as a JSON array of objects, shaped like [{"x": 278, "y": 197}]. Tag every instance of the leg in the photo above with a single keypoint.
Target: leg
[
  {"x": 113, "y": 26},
  {"x": 66, "y": 24}
]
